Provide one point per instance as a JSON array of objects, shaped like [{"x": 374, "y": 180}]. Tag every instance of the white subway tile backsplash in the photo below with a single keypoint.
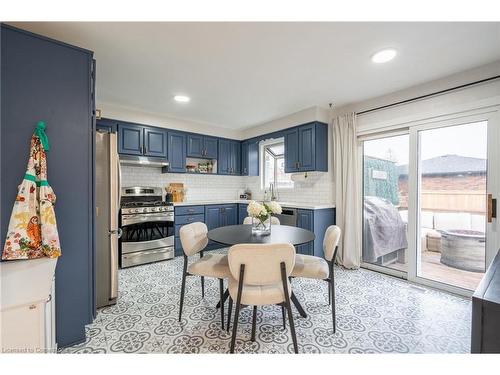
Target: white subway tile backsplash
[{"x": 216, "y": 187}]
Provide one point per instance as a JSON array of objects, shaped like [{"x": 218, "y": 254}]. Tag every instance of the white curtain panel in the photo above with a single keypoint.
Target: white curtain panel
[{"x": 345, "y": 169}]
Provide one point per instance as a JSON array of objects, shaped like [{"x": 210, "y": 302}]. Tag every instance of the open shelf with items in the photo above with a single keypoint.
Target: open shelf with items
[{"x": 201, "y": 166}]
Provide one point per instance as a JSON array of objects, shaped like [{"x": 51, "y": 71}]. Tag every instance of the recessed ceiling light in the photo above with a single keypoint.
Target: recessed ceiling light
[
  {"x": 182, "y": 98},
  {"x": 384, "y": 56}
]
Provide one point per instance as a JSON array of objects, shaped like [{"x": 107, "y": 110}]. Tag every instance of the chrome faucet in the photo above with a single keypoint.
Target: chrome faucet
[{"x": 272, "y": 192}]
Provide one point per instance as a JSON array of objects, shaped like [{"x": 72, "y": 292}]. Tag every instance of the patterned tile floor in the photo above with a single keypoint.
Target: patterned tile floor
[{"x": 375, "y": 314}]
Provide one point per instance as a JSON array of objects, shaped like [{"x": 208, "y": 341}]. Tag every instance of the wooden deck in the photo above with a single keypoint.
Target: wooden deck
[{"x": 432, "y": 269}]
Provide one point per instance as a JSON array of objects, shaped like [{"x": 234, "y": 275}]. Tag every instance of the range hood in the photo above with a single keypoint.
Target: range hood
[{"x": 143, "y": 160}]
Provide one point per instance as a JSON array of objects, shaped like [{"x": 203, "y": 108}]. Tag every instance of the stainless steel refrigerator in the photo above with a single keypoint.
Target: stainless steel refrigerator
[{"x": 107, "y": 190}]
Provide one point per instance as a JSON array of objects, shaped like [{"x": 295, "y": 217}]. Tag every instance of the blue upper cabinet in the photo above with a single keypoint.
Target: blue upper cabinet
[
  {"x": 235, "y": 157},
  {"x": 176, "y": 152},
  {"x": 249, "y": 158},
  {"x": 244, "y": 158},
  {"x": 130, "y": 139},
  {"x": 224, "y": 154},
  {"x": 199, "y": 146},
  {"x": 306, "y": 148},
  {"x": 292, "y": 150},
  {"x": 155, "y": 142},
  {"x": 211, "y": 147},
  {"x": 229, "y": 161},
  {"x": 134, "y": 139},
  {"x": 195, "y": 146},
  {"x": 253, "y": 158}
]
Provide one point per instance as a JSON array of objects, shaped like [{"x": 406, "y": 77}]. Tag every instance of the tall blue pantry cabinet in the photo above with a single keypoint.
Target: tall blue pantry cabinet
[{"x": 43, "y": 79}]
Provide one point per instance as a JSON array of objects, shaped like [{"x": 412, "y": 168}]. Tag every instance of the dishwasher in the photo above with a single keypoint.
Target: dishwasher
[{"x": 288, "y": 216}]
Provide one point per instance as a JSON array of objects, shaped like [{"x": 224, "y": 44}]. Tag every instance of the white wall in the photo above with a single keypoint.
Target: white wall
[{"x": 452, "y": 102}]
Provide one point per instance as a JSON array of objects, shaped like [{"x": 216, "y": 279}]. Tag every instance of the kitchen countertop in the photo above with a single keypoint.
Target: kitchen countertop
[{"x": 307, "y": 206}]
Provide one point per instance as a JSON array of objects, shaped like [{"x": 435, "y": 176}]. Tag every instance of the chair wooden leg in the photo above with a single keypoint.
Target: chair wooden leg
[
  {"x": 283, "y": 315},
  {"x": 229, "y": 311},
  {"x": 238, "y": 306},
  {"x": 183, "y": 287},
  {"x": 221, "y": 287},
  {"x": 254, "y": 323},
  {"x": 289, "y": 307}
]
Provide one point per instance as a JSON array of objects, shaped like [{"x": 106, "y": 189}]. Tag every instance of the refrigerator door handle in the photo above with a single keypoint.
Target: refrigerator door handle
[
  {"x": 118, "y": 231},
  {"x": 114, "y": 182}
]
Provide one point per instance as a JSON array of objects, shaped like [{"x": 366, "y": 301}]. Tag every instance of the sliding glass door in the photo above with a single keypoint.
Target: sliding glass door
[
  {"x": 385, "y": 202},
  {"x": 452, "y": 197},
  {"x": 426, "y": 193}
]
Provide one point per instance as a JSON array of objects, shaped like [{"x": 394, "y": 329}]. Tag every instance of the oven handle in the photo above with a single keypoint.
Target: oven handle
[
  {"x": 135, "y": 219},
  {"x": 139, "y": 253}
]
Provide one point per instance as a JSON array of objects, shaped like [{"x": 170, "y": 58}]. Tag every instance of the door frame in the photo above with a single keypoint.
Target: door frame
[{"x": 491, "y": 114}]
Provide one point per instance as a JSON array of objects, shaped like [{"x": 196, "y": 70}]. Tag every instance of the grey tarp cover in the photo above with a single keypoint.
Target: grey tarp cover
[{"x": 384, "y": 230}]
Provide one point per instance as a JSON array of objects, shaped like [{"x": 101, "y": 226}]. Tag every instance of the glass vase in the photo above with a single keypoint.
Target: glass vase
[{"x": 261, "y": 227}]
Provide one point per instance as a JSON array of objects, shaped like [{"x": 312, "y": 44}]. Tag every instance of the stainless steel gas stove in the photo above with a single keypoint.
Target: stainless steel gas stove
[{"x": 147, "y": 223}]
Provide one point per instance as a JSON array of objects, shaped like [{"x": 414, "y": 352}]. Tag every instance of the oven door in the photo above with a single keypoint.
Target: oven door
[{"x": 145, "y": 241}]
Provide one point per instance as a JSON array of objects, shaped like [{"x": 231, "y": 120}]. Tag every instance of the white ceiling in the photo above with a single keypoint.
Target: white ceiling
[{"x": 243, "y": 74}]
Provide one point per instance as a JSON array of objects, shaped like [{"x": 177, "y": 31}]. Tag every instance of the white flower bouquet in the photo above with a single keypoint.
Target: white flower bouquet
[{"x": 261, "y": 215}]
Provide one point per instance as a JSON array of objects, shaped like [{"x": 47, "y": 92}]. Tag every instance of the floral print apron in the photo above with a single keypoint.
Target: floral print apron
[{"x": 32, "y": 229}]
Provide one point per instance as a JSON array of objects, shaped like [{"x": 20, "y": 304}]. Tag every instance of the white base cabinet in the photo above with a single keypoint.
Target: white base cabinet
[{"x": 27, "y": 310}]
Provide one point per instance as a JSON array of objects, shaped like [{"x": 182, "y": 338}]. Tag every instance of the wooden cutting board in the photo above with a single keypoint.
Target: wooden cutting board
[{"x": 177, "y": 190}]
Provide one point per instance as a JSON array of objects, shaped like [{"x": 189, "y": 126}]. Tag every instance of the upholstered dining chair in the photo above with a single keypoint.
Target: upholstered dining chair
[
  {"x": 194, "y": 240},
  {"x": 274, "y": 220},
  {"x": 260, "y": 276},
  {"x": 313, "y": 267}
]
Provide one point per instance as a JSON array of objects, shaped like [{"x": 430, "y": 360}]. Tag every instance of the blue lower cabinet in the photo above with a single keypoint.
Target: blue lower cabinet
[
  {"x": 242, "y": 212},
  {"x": 305, "y": 220},
  {"x": 212, "y": 216},
  {"x": 229, "y": 214},
  {"x": 188, "y": 219},
  {"x": 186, "y": 215},
  {"x": 189, "y": 210},
  {"x": 178, "y": 247},
  {"x": 220, "y": 215},
  {"x": 316, "y": 221}
]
